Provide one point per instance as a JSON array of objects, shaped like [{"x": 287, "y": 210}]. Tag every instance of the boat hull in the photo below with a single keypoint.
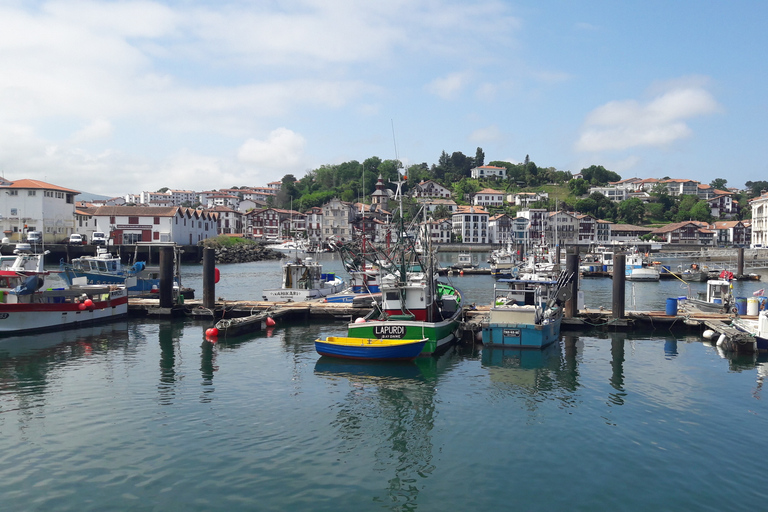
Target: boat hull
[
  {"x": 370, "y": 349},
  {"x": 22, "y": 318},
  {"x": 300, "y": 295},
  {"x": 522, "y": 335},
  {"x": 439, "y": 334}
]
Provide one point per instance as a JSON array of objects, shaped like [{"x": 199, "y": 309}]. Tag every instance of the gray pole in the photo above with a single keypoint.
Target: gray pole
[
  {"x": 209, "y": 277},
  {"x": 619, "y": 264},
  {"x": 166, "y": 277},
  {"x": 740, "y": 262},
  {"x": 572, "y": 267}
]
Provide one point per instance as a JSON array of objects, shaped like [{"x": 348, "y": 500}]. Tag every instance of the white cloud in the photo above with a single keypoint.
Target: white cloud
[
  {"x": 448, "y": 87},
  {"x": 282, "y": 150},
  {"x": 619, "y": 125},
  {"x": 486, "y": 134},
  {"x": 97, "y": 129}
]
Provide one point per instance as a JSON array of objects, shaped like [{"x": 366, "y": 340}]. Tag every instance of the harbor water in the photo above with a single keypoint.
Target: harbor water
[{"x": 147, "y": 415}]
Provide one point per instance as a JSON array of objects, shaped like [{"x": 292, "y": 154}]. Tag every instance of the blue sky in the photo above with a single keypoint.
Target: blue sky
[{"x": 118, "y": 97}]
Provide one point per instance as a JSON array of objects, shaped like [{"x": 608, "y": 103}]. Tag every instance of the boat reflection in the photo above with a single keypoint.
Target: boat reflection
[{"x": 389, "y": 409}]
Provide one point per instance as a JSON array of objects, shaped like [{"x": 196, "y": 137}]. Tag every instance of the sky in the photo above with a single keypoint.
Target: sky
[{"x": 119, "y": 97}]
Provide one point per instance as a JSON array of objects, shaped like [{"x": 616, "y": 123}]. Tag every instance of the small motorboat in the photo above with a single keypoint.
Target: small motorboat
[{"x": 370, "y": 349}]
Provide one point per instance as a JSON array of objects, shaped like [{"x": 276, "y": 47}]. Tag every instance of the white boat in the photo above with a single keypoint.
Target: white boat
[
  {"x": 27, "y": 306},
  {"x": 463, "y": 261},
  {"x": 293, "y": 247},
  {"x": 304, "y": 280},
  {"x": 716, "y": 299},
  {"x": 637, "y": 270}
]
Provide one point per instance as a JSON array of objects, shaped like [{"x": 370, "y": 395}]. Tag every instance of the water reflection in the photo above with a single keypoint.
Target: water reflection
[
  {"x": 26, "y": 362},
  {"x": 390, "y": 406},
  {"x": 169, "y": 337}
]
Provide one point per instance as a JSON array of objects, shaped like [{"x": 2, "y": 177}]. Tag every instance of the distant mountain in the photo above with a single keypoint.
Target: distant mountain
[{"x": 85, "y": 196}]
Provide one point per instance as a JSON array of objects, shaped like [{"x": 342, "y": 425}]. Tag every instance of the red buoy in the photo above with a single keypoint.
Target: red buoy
[
  {"x": 81, "y": 306},
  {"x": 216, "y": 275},
  {"x": 88, "y": 303},
  {"x": 270, "y": 322}
]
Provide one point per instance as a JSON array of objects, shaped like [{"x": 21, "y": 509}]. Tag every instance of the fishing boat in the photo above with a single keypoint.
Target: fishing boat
[
  {"x": 637, "y": 270},
  {"x": 237, "y": 326},
  {"x": 27, "y": 306},
  {"x": 694, "y": 273},
  {"x": 717, "y": 298},
  {"x": 504, "y": 261},
  {"x": 526, "y": 313},
  {"x": 414, "y": 303},
  {"x": 105, "y": 268},
  {"x": 304, "y": 280},
  {"x": 370, "y": 349},
  {"x": 364, "y": 285},
  {"x": 463, "y": 261}
]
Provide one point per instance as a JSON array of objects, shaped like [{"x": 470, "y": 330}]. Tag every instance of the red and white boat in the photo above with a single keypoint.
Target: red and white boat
[{"x": 26, "y": 305}]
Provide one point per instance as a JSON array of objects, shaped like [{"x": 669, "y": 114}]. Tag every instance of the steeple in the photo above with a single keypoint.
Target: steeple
[{"x": 380, "y": 196}]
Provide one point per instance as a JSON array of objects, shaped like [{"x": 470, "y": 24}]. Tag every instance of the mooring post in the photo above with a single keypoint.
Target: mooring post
[
  {"x": 572, "y": 267},
  {"x": 740, "y": 261},
  {"x": 619, "y": 264},
  {"x": 209, "y": 277},
  {"x": 166, "y": 277}
]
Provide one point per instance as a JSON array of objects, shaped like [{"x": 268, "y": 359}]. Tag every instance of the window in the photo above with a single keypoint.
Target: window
[
  {"x": 155, "y": 235},
  {"x": 13, "y": 192},
  {"x": 157, "y": 220},
  {"x": 133, "y": 220},
  {"x": 112, "y": 219},
  {"x": 32, "y": 192}
]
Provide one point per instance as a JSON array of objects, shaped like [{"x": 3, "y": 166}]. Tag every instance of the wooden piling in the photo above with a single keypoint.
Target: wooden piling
[
  {"x": 740, "y": 261},
  {"x": 572, "y": 267},
  {"x": 166, "y": 277},
  {"x": 619, "y": 293},
  {"x": 209, "y": 278}
]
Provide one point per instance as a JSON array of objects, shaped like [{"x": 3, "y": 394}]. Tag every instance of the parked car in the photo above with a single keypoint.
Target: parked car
[
  {"x": 99, "y": 238},
  {"x": 76, "y": 239},
  {"x": 34, "y": 237}
]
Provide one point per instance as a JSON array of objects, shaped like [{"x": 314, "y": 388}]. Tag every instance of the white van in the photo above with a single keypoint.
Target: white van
[
  {"x": 99, "y": 238},
  {"x": 34, "y": 237}
]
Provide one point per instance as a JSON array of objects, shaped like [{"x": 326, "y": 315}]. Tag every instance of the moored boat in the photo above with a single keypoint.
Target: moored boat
[
  {"x": 105, "y": 268},
  {"x": 304, "y": 280},
  {"x": 526, "y": 313},
  {"x": 371, "y": 349},
  {"x": 26, "y": 306}
]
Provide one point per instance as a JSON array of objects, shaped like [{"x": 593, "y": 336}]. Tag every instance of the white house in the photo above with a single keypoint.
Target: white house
[
  {"x": 488, "y": 171},
  {"x": 525, "y": 199},
  {"x": 488, "y": 197},
  {"x": 433, "y": 204},
  {"x": 132, "y": 224},
  {"x": 430, "y": 188},
  {"x": 759, "y": 220},
  {"x": 33, "y": 205},
  {"x": 471, "y": 224}
]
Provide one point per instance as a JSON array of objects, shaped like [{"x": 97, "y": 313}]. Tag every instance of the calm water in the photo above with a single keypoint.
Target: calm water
[{"x": 146, "y": 415}]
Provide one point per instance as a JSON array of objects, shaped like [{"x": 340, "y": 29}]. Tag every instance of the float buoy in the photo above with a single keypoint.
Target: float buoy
[
  {"x": 88, "y": 303},
  {"x": 708, "y": 334},
  {"x": 359, "y": 320},
  {"x": 81, "y": 306},
  {"x": 216, "y": 275},
  {"x": 270, "y": 321},
  {"x": 212, "y": 332}
]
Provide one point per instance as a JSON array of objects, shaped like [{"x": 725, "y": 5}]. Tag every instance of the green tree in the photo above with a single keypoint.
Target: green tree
[
  {"x": 718, "y": 183},
  {"x": 479, "y": 157},
  {"x": 631, "y": 211},
  {"x": 599, "y": 175},
  {"x": 163, "y": 190},
  {"x": 441, "y": 212},
  {"x": 756, "y": 187},
  {"x": 578, "y": 186},
  {"x": 701, "y": 212}
]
